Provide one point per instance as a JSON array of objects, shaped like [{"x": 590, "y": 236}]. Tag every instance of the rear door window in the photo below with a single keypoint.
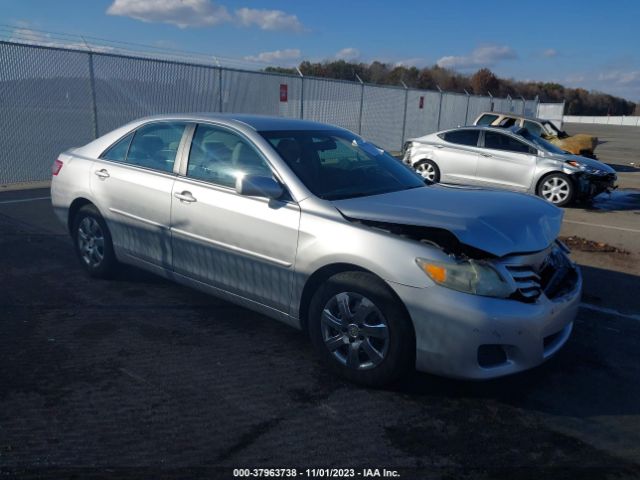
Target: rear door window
[
  {"x": 462, "y": 137},
  {"x": 155, "y": 146},
  {"x": 498, "y": 141}
]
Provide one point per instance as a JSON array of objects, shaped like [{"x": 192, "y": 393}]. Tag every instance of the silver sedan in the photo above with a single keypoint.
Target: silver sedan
[
  {"x": 511, "y": 159},
  {"x": 313, "y": 226}
]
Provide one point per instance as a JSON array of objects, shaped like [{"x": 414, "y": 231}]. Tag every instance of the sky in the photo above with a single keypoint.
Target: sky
[{"x": 588, "y": 44}]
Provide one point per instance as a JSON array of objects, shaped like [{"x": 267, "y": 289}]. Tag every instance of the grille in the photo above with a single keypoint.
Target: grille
[
  {"x": 549, "y": 271},
  {"x": 527, "y": 281}
]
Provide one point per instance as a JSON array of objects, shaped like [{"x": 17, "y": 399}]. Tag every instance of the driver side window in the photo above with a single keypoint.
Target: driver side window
[{"x": 219, "y": 156}]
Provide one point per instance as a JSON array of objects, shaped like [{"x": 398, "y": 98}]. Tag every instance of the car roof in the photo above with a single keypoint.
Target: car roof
[
  {"x": 513, "y": 129},
  {"x": 257, "y": 122},
  {"x": 512, "y": 115}
]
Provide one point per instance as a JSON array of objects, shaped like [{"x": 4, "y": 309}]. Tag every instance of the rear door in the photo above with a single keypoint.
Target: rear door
[
  {"x": 506, "y": 162},
  {"x": 240, "y": 244},
  {"x": 132, "y": 184},
  {"x": 457, "y": 155}
]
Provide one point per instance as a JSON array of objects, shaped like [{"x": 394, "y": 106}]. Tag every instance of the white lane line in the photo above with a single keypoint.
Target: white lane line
[
  {"x": 22, "y": 200},
  {"x": 611, "y": 311},
  {"x": 603, "y": 226}
]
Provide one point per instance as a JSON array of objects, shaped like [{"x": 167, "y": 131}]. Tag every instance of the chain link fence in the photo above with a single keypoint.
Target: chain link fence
[{"x": 53, "y": 98}]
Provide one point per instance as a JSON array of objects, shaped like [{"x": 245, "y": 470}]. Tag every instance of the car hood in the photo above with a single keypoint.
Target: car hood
[
  {"x": 587, "y": 161},
  {"x": 497, "y": 222}
]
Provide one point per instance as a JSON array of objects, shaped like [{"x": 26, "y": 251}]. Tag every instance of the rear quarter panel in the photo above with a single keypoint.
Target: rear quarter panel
[{"x": 72, "y": 182}]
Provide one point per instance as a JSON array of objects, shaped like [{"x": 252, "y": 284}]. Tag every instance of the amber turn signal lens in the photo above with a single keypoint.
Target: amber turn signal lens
[{"x": 436, "y": 272}]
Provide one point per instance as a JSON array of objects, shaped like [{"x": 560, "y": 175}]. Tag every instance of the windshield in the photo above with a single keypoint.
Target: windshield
[
  {"x": 540, "y": 142},
  {"x": 336, "y": 165}
]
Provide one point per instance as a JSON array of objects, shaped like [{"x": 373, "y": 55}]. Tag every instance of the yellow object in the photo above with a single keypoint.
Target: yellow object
[{"x": 436, "y": 272}]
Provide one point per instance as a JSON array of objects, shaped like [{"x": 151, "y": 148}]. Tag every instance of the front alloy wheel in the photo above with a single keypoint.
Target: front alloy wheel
[
  {"x": 355, "y": 331},
  {"x": 557, "y": 189},
  {"x": 361, "y": 329}
]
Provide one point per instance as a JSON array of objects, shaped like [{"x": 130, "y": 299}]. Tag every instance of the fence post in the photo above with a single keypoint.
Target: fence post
[
  {"x": 404, "y": 117},
  {"x": 491, "y": 100},
  {"x": 301, "y": 93},
  {"x": 439, "y": 105},
  {"x": 466, "y": 113},
  {"x": 92, "y": 85},
  {"x": 94, "y": 107},
  {"x": 361, "y": 104}
]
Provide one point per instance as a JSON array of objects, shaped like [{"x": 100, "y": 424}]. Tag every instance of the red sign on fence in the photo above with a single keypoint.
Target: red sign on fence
[
  {"x": 284, "y": 91},
  {"x": 421, "y": 102}
]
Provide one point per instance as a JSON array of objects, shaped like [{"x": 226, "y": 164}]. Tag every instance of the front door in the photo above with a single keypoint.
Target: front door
[{"x": 244, "y": 245}]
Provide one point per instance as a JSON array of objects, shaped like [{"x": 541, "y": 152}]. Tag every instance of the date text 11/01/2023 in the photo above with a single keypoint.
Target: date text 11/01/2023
[{"x": 316, "y": 472}]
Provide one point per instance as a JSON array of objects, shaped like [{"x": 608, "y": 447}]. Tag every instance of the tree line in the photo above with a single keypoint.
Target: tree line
[{"x": 578, "y": 100}]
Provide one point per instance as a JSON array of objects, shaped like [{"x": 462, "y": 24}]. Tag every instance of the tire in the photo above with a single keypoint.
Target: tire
[
  {"x": 428, "y": 170},
  {"x": 377, "y": 329},
  {"x": 92, "y": 241},
  {"x": 556, "y": 188}
]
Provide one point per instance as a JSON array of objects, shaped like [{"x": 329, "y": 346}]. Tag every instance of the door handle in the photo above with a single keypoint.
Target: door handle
[
  {"x": 102, "y": 173},
  {"x": 185, "y": 197},
  {"x": 486, "y": 155},
  {"x": 439, "y": 146}
]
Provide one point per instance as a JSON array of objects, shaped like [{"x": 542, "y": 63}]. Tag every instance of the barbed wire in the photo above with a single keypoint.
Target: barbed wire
[{"x": 32, "y": 36}]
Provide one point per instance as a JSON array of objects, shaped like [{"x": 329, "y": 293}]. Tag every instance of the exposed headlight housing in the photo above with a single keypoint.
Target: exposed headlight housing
[
  {"x": 469, "y": 276},
  {"x": 585, "y": 168}
]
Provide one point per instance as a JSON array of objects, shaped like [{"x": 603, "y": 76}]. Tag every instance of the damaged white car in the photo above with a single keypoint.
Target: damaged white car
[{"x": 311, "y": 225}]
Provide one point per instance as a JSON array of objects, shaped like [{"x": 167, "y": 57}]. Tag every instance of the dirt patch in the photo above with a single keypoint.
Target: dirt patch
[{"x": 584, "y": 245}]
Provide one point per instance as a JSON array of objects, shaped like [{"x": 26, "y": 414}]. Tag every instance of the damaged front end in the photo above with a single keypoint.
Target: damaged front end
[
  {"x": 591, "y": 180},
  {"x": 591, "y": 185},
  {"x": 521, "y": 277}
]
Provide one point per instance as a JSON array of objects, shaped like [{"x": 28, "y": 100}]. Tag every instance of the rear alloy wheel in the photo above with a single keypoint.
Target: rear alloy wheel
[
  {"x": 556, "y": 188},
  {"x": 93, "y": 243},
  {"x": 428, "y": 170},
  {"x": 361, "y": 329}
]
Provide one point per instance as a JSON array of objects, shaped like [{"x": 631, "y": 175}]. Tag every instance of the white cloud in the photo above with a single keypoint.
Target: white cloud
[
  {"x": 550, "y": 52},
  {"x": 621, "y": 78},
  {"x": 574, "y": 78},
  {"x": 268, "y": 19},
  {"x": 348, "y": 53},
  {"x": 484, "y": 56},
  {"x": 275, "y": 56},
  {"x": 202, "y": 13},
  {"x": 183, "y": 13},
  {"x": 410, "y": 62}
]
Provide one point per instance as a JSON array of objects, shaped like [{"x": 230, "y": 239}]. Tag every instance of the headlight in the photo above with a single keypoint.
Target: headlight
[
  {"x": 585, "y": 168},
  {"x": 468, "y": 276},
  {"x": 406, "y": 147}
]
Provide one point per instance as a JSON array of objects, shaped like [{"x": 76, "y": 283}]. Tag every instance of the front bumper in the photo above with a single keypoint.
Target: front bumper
[
  {"x": 454, "y": 330},
  {"x": 590, "y": 185}
]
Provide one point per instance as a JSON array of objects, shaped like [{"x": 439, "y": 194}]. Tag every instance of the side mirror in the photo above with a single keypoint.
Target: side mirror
[{"x": 258, "y": 186}]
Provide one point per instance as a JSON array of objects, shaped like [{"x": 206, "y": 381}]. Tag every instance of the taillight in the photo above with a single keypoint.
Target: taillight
[{"x": 56, "y": 167}]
